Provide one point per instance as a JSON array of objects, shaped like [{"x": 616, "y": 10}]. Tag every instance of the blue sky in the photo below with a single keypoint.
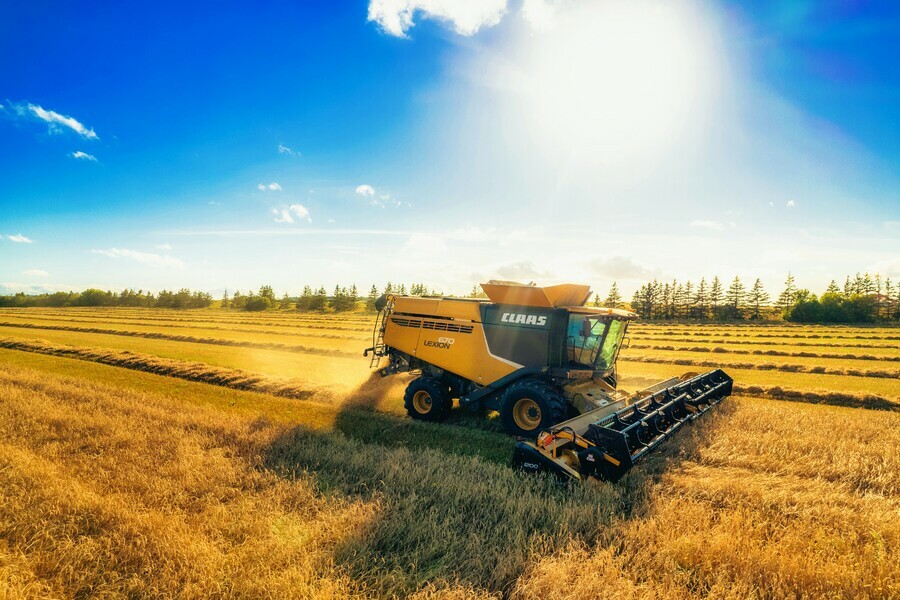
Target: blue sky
[{"x": 228, "y": 145}]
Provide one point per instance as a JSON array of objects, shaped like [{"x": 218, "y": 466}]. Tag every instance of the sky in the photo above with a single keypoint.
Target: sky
[{"x": 232, "y": 145}]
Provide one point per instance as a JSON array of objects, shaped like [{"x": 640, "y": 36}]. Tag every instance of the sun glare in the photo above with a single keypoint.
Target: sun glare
[{"x": 619, "y": 81}]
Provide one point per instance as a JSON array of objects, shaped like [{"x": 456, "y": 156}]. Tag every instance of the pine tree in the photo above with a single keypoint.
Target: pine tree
[
  {"x": 757, "y": 299},
  {"x": 735, "y": 298},
  {"x": 304, "y": 302},
  {"x": 868, "y": 285},
  {"x": 225, "y": 301},
  {"x": 788, "y": 297},
  {"x": 833, "y": 288},
  {"x": 667, "y": 294},
  {"x": 613, "y": 298},
  {"x": 888, "y": 300},
  {"x": 701, "y": 300},
  {"x": 715, "y": 295},
  {"x": 371, "y": 298},
  {"x": 285, "y": 302}
]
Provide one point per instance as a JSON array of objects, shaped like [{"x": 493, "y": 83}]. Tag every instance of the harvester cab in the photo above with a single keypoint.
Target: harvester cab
[{"x": 545, "y": 362}]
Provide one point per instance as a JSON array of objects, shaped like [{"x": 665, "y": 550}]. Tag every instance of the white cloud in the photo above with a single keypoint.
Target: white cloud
[
  {"x": 272, "y": 187},
  {"x": 714, "y": 225},
  {"x": 20, "y": 239},
  {"x": 465, "y": 16},
  {"x": 55, "y": 120},
  {"x": 385, "y": 200},
  {"x": 538, "y": 13},
  {"x": 163, "y": 246},
  {"x": 887, "y": 268},
  {"x": 620, "y": 267},
  {"x": 144, "y": 258},
  {"x": 524, "y": 272},
  {"x": 791, "y": 204},
  {"x": 375, "y": 198},
  {"x": 365, "y": 190},
  {"x": 83, "y": 156},
  {"x": 282, "y": 149},
  {"x": 288, "y": 214},
  {"x": 35, "y": 273}
]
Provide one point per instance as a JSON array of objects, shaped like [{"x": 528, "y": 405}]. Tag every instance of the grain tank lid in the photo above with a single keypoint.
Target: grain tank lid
[{"x": 510, "y": 292}]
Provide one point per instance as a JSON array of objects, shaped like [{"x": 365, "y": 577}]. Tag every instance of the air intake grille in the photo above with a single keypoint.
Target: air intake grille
[
  {"x": 439, "y": 326},
  {"x": 406, "y": 322},
  {"x": 433, "y": 325}
]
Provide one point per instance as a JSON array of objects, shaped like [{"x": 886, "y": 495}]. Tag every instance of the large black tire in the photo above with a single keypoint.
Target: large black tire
[
  {"x": 427, "y": 399},
  {"x": 530, "y": 406}
]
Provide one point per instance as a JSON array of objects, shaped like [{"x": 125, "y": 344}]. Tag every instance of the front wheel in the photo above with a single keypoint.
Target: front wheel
[
  {"x": 427, "y": 399},
  {"x": 530, "y": 406}
]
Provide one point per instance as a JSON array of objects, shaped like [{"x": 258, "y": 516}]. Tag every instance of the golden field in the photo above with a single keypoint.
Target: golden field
[{"x": 215, "y": 453}]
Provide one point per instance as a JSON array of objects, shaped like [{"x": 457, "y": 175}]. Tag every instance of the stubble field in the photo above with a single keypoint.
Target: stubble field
[{"x": 213, "y": 453}]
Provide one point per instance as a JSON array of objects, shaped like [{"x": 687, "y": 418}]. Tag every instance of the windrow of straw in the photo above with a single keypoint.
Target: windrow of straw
[
  {"x": 292, "y": 331},
  {"x": 191, "y": 371},
  {"x": 750, "y": 342},
  {"x": 155, "y": 335},
  {"x": 787, "y": 368},
  {"x": 693, "y": 333},
  {"x": 721, "y": 350}
]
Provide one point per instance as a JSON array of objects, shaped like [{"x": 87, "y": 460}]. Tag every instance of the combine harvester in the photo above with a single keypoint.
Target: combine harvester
[{"x": 547, "y": 364}]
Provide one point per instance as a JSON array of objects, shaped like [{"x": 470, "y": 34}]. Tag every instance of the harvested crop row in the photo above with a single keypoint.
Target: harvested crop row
[
  {"x": 813, "y": 336},
  {"x": 188, "y": 314},
  {"x": 192, "y": 322},
  {"x": 871, "y": 401},
  {"x": 787, "y": 368},
  {"x": 192, "y": 371},
  {"x": 720, "y": 350},
  {"x": 191, "y": 339},
  {"x": 653, "y": 338},
  {"x": 294, "y": 332}
]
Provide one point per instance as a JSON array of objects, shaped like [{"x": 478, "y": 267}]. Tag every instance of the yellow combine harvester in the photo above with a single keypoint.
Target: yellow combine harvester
[{"x": 547, "y": 364}]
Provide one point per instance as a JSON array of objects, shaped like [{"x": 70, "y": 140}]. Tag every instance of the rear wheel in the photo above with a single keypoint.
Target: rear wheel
[
  {"x": 428, "y": 399},
  {"x": 530, "y": 406}
]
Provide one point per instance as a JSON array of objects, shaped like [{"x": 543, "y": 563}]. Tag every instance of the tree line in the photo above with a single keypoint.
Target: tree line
[
  {"x": 864, "y": 298},
  {"x": 318, "y": 300},
  {"x": 183, "y": 298}
]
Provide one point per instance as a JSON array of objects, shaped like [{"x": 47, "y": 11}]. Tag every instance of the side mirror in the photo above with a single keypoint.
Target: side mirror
[
  {"x": 626, "y": 343},
  {"x": 586, "y": 328}
]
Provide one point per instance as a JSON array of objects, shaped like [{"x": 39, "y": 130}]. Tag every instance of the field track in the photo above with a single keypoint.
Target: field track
[{"x": 208, "y": 453}]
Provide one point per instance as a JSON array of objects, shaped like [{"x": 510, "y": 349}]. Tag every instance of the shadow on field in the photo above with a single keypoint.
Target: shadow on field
[
  {"x": 366, "y": 416},
  {"x": 451, "y": 510}
]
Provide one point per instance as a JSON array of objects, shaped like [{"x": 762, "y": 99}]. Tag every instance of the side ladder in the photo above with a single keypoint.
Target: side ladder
[{"x": 378, "y": 347}]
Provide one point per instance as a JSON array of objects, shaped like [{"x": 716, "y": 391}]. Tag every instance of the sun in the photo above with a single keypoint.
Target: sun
[{"x": 618, "y": 81}]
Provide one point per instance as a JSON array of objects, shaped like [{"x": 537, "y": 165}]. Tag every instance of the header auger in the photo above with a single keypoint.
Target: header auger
[{"x": 547, "y": 364}]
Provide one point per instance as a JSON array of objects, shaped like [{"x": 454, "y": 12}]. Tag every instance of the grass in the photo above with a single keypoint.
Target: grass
[{"x": 117, "y": 481}]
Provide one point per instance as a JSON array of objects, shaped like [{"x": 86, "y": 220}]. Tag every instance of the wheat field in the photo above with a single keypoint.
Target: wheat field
[{"x": 152, "y": 453}]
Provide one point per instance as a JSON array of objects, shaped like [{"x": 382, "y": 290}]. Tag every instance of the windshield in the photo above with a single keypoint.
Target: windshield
[{"x": 600, "y": 347}]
